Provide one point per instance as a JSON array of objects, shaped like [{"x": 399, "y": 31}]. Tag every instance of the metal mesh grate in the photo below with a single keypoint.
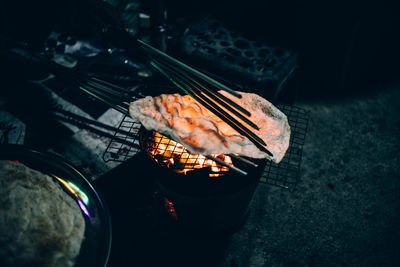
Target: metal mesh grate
[
  {"x": 170, "y": 154},
  {"x": 126, "y": 143},
  {"x": 286, "y": 173}
]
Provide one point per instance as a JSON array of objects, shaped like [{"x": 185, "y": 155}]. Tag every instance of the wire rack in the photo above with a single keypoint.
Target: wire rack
[
  {"x": 126, "y": 143},
  {"x": 123, "y": 146},
  {"x": 170, "y": 154},
  {"x": 286, "y": 173}
]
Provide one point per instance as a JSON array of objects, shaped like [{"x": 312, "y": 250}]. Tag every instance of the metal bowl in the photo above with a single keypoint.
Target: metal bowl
[{"x": 96, "y": 245}]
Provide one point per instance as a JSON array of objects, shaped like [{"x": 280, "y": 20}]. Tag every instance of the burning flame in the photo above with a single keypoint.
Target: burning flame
[{"x": 171, "y": 154}]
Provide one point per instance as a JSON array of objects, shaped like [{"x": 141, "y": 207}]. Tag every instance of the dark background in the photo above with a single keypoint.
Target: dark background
[
  {"x": 341, "y": 45},
  {"x": 345, "y": 210}
]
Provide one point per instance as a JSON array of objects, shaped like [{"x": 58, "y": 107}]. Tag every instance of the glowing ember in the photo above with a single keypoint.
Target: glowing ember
[
  {"x": 169, "y": 206},
  {"x": 171, "y": 154}
]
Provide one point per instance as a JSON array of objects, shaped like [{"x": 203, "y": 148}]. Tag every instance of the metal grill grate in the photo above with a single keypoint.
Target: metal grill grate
[
  {"x": 170, "y": 154},
  {"x": 286, "y": 173},
  {"x": 126, "y": 143}
]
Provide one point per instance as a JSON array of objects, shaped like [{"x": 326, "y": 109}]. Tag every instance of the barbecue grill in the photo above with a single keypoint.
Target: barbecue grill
[{"x": 201, "y": 196}]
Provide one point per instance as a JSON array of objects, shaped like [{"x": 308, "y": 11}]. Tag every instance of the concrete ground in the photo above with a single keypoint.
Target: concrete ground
[{"x": 345, "y": 210}]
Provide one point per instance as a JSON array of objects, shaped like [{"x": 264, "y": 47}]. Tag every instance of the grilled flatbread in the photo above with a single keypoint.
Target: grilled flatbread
[
  {"x": 40, "y": 224},
  {"x": 184, "y": 120}
]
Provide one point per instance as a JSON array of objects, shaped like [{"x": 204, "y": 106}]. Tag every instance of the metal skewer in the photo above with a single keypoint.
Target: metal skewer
[
  {"x": 233, "y": 168},
  {"x": 84, "y": 125},
  {"x": 107, "y": 101},
  {"x": 110, "y": 85},
  {"x": 215, "y": 96},
  {"x": 68, "y": 114},
  {"x": 121, "y": 96},
  {"x": 188, "y": 68},
  {"x": 249, "y": 162}
]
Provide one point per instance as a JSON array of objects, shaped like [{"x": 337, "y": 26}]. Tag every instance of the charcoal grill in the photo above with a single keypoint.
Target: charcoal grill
[
  {"x": 201, "y": 197},
  {"x": 195, "y": 198},
  {"x": 198, "y": 200}
]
